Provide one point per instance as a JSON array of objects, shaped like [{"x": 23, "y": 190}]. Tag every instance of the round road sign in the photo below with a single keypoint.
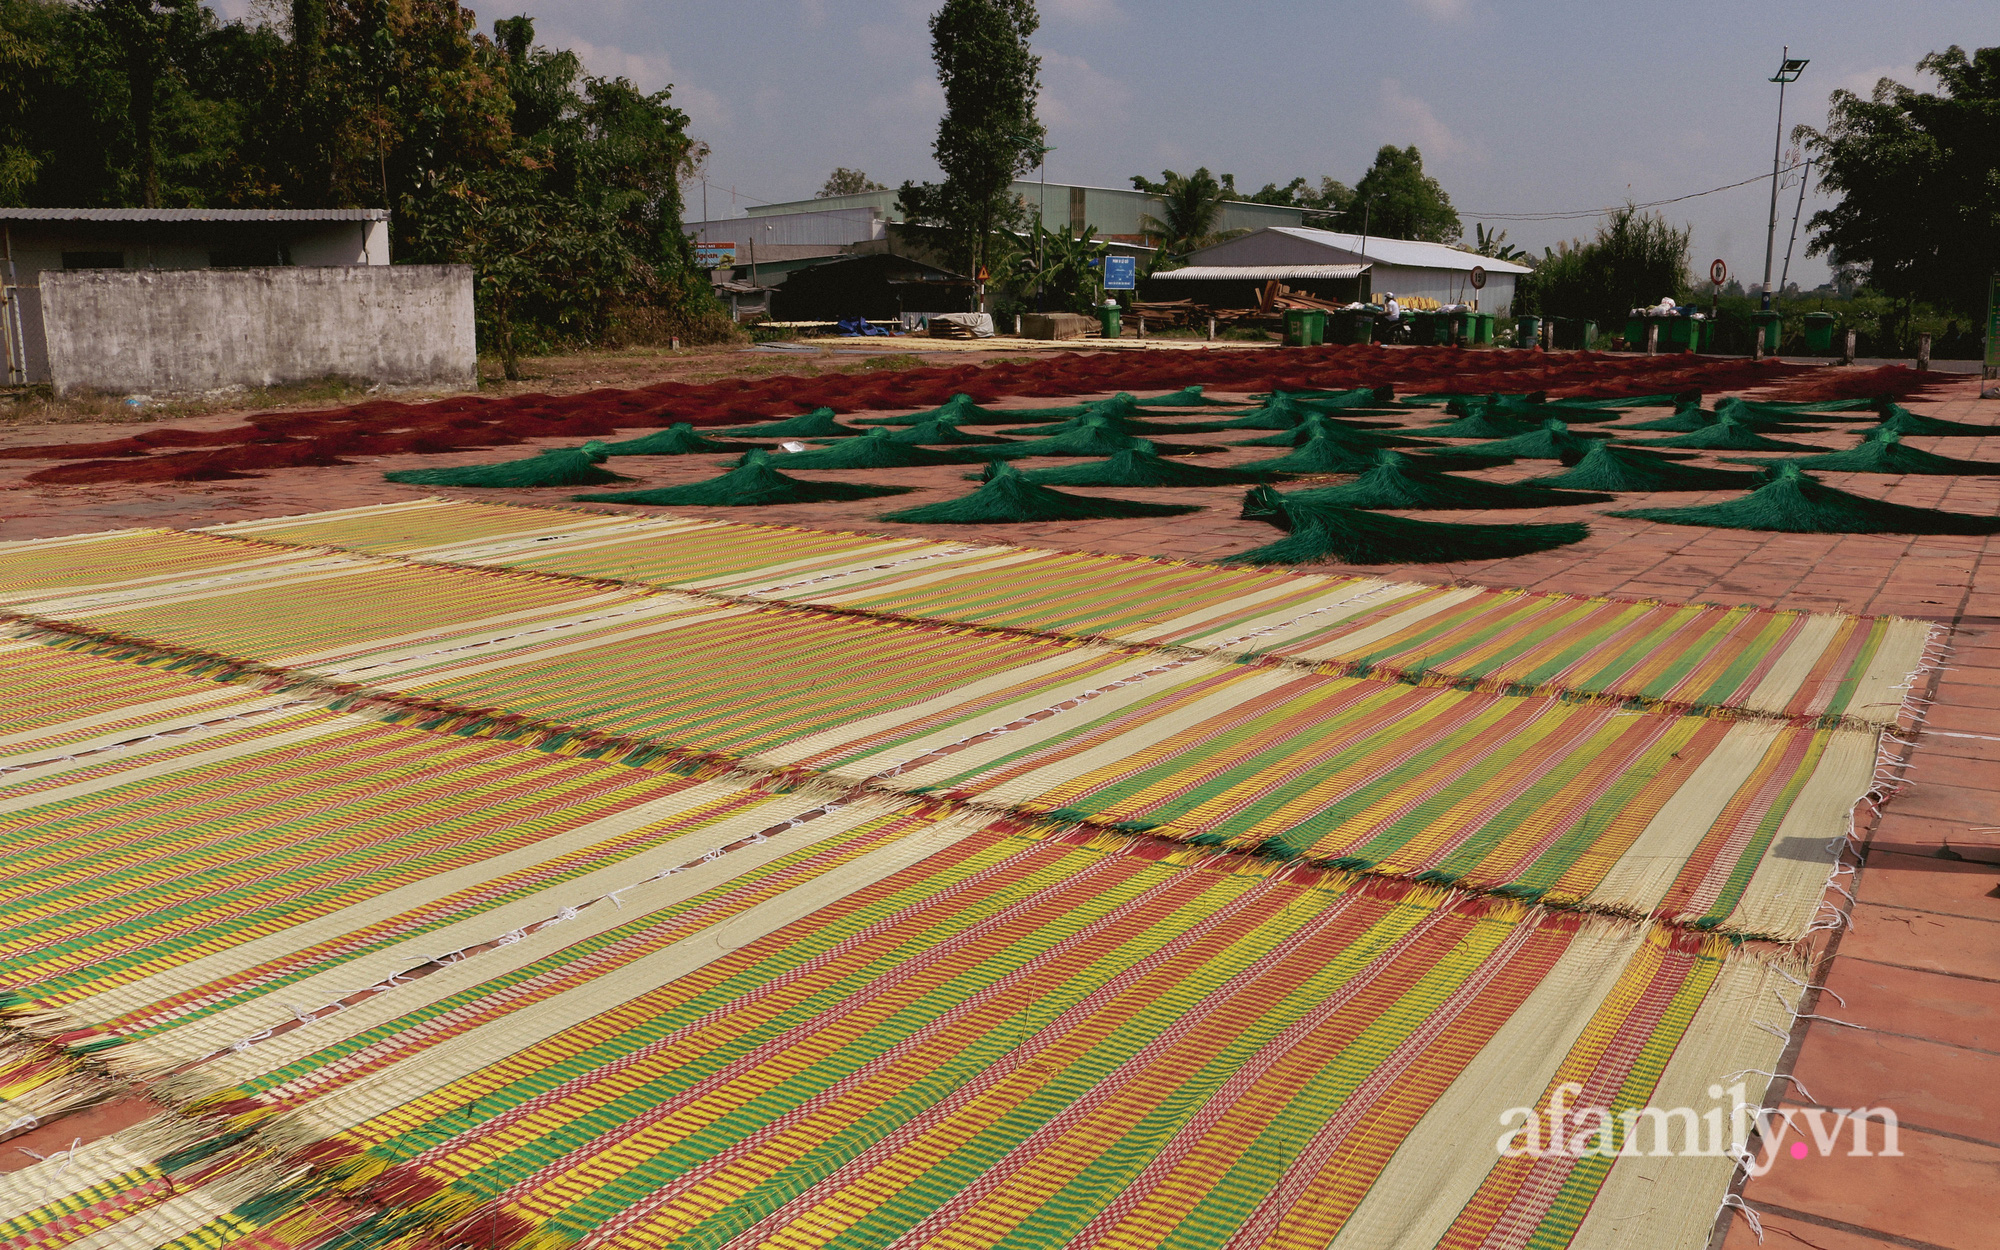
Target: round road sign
[
  {"x": 1478, "y": 277},
  {"x": 1718, "y": 272}
]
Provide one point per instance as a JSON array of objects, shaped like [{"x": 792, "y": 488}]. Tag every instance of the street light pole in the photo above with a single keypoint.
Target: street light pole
[{"x": 1789, "y": 69}]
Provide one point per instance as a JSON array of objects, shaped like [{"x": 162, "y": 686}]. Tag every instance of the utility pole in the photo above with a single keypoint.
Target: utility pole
[
  {"x": 1805, "y": 176},
  {"x": 1789, "y": 69}
]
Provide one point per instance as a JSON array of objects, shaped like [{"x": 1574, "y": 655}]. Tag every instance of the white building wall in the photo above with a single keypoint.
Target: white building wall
[{"x": 178, "y": 331}]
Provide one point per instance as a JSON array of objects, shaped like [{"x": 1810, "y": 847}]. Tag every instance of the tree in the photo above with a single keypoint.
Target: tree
[
  {"x": 1326, "y": 204},
  {"x": 1071, "y": 267},
  {"x": 582, "y": 217},
  {"x": 1402, "y": 201},
  {"x": 1918, "y": 174},
  {"x": 989, "y": 134},
  {"x": 845, "y": 181},
  {"x": 1635, "y": 259},
  {"x": 1494, "y": 244},
  {"x": 1190, "y": 205}
]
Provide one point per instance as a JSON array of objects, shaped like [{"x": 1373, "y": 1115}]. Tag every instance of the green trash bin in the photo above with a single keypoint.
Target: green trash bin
[
  {"x": 1481, "y": 328},
  {"x": 1304, "y": 327},
  {"x": 1108, "y": 317},
  {"x": 1527, "y": 331},
  {"x": 1353, "y": 326},
  {"x": 1769, "y": 325},
  {"x": 1429, "y": 328},
  {"x": 1819, "y": 333}
]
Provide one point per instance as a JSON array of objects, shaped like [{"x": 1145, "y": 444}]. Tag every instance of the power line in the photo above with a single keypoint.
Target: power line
[{"x": 1573, "y": 214}]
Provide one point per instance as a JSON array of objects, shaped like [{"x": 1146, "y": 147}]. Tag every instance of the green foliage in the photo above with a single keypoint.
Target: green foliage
[
  {"x": 1403, "y": 201},
  {"x": 845, "y": 181},
  {"x": 1326, "y": 204},
  {"x": 1494, "y": 244},
  {"x": 562, "y": 190},
  {"x": 1190, "y": 206},
  {"x": 1068, "y": 282},
  {"x": 1635, "y": 259},
  {"x": 989, "y": 134},
  {"x": 1919, "y": 179}
]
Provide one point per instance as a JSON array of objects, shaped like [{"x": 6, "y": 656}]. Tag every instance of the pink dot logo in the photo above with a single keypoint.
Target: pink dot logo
[{"x": 1798, "y": 1150}]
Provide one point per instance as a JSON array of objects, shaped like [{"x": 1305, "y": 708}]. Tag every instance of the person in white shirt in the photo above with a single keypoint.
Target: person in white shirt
[{"x": 1391, "y": 310}]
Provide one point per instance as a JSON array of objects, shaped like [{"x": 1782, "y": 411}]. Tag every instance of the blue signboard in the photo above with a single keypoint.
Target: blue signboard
[{"x": 1120, "y": 273}]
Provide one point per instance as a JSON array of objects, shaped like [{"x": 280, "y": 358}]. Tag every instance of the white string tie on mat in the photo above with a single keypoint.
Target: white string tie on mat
[{"x": 1756, "y": 1225}]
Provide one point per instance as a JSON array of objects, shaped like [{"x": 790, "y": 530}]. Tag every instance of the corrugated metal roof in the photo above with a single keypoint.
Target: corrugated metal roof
[
  {"x": 194, "y": 214},
  {"x": 1260, "y": 273},
  {"x": 1407, "y": 252}
]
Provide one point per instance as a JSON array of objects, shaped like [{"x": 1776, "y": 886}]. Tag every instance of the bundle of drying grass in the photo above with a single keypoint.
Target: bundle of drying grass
[
  {"x": 567, "y": 467},
  {"x": 1322, "y": 531},
  {"x": 942, "y": 433},
  {"x": 1527, "y": 409},
  {"x": 1008, "y": 497},
  {"x": 1725, "y": 435},
  {"x": 1320, "y": 425},
  {"x": 1483, "y": 424},
  {"x": 1322, "y": 454},
  {"x": 1553, "y": 441},
  {"x": 1354, "y": 397},
  {"x": 1793, "y": 502},
  {"x": 1141, "y": 467},
  {"x": 877, "y": 449},
  {"x": 819, "y": 423},
  {"x": 1778, "y": 408},
  {"x": 1897, "y": 419},
  {"x": 1186, "y": 397},
  {"x": 960, "y": 410},
  {"x": 756, "y": 483},
  {"x": 1674, "y": 400},
  {"x": 1882, "y": 451},
  {"x": 1097, "y": 436},
  {"x": 676, "y": 440},
  {"x": 1280, "y": 412},
  {"x": 1405, "y": 483},
  {"x": 1758, "y": 416},
  {"x": 1615, "y": 467},
  {"x": 1119, "y": 417}
]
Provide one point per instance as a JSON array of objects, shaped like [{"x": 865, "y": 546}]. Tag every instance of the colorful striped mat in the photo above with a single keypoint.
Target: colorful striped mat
[
  {"x": 159, "y": 901},
  {"x": 1711, "y": 821},
  {"x": 61, "y": 700},
  {"x": 1707, "y": 821},
  {"x": 978, "y": 1036},
  {"x": 1824, "y": 667},
  {"x": 1801, "y": 665},
  {"x": 417, "y": 524},
  {"x": 131, "y": 564},
  {"x": 325, "y": 613}
]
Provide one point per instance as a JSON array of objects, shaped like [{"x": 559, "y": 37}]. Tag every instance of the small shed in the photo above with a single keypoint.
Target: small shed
[
  {"x": 1404, "y": 266},
  {"x": 34, "y": 241},
  {"x": 880, "y": 288}
]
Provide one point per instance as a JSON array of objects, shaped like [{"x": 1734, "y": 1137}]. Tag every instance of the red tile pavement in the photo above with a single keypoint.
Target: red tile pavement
[{"x": 1921, "y": 966}]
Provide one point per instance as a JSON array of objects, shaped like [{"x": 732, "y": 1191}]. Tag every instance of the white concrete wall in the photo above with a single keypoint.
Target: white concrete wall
[
  {"x": 1449, "y": 286},
  {"x": 161, "y": 332}
]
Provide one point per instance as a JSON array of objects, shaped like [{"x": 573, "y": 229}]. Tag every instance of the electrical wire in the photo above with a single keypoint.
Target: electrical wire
[{"x": 1573, "y": 214}]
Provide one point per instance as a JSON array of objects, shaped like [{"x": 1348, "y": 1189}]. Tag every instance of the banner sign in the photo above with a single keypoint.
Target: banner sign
[
  {"x": 715, "y": 255},
  {"x": 1120, "y": 273}
]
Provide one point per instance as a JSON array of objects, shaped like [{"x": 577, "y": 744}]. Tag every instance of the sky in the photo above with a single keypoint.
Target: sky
[{"x": 1518, "y": 106}]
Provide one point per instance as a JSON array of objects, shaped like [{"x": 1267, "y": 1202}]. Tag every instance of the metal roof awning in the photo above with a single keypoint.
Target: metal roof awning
[
  {"x": 1260, "y": 273},
  {"x": 194, "y": 214}
]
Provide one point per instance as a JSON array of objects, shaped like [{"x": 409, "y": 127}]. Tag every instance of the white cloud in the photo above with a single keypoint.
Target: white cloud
[
  {"x": 1076, "y": 96},
  {"x": 1407, "y": 119},
  {"x": 649, "y": 71},
  {"x": 1443, "y": 10},
  {"x": 1084, "y": 12}
]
